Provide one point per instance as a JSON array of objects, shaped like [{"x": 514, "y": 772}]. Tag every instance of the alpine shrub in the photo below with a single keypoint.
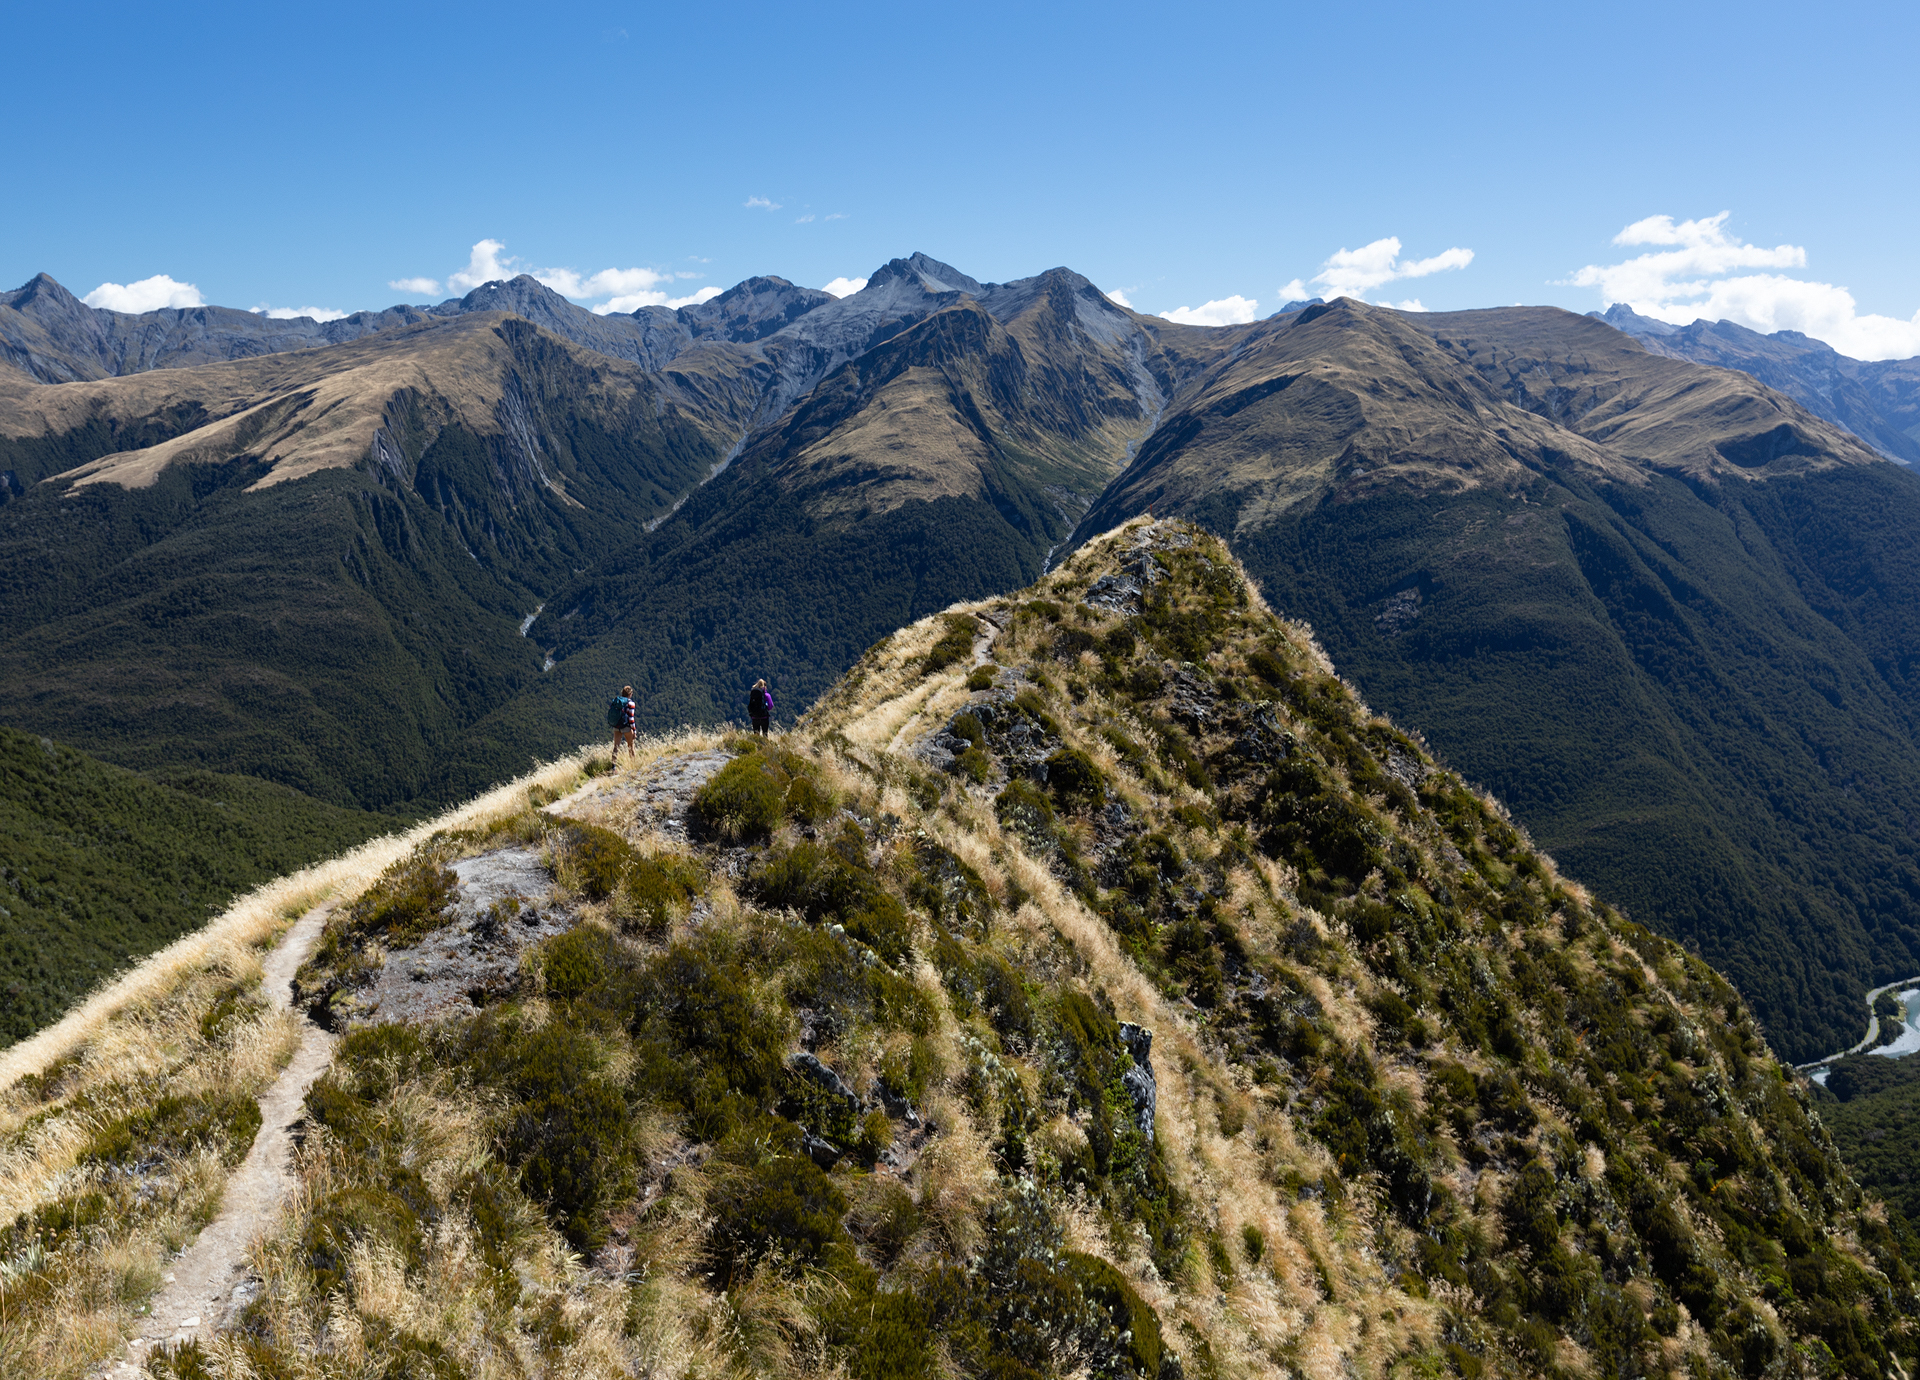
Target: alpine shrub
[
  {"x": 177, "y": 1126},
  {"x": 955, "y": 644},
  {"x": 573, "y": 963},
  {"x": 774, "y": 1200},
  {"x": 752, "y": 796},
  {"x": 350, "y": 1215},
  {"x": 827, "y": 886},
  {"x": 406, "y": 904},
  {"x": 1075, "y": 781}
]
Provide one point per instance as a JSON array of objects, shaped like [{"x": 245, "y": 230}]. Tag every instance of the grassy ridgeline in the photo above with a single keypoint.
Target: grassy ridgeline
[{"x": 100, "y": 866}]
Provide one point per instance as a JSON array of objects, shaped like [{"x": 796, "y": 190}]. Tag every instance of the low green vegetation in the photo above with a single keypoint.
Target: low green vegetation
[
  {"x": 754, "y": 794},
  {"x": 100, "y": 866}
]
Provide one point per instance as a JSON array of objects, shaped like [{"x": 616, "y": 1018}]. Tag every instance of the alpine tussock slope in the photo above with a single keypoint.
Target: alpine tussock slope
[{"x": 1090, "y": 985}]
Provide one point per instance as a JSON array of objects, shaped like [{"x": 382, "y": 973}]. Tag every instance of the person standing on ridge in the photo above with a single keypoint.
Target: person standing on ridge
[
  {"x": 760, "y": 707},
  {"x": 622, "y": 714}
]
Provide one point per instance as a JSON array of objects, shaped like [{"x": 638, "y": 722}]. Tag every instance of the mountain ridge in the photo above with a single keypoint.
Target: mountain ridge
[{"x": 1090, "y": 984}]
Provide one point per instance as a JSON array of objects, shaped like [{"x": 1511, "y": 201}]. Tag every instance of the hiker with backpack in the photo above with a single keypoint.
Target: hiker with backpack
[
  {"x": 760, "y": 707},
  {"x": 622, "y": 714}
]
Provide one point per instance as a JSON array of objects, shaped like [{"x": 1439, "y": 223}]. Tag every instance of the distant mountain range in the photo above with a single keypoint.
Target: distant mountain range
[
  {"x": 1877, "y": 401},
  {"x": 1666, "y": 610}
]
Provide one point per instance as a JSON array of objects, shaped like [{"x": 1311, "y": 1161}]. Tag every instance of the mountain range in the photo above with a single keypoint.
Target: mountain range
[
  {"x": 1664, "y": 608},
  {"x": 1878, "y": 401}
]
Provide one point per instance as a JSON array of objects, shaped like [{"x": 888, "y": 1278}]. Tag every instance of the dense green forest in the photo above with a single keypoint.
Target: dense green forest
[
  {"x": 1871, "y": 1105},
  {"x": 339, "y": 633},
  {"x": 100, "y": 866}
]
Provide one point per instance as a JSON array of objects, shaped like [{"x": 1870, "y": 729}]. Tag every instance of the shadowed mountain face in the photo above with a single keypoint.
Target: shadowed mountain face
[
  {"x": 312, "y": 567},
  {"x": 1878, "y": 401},
  {"x": 1665, "y": 610}
]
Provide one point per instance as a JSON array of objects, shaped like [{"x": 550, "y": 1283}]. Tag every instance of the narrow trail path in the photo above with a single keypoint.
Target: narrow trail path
[{"x": 212, "y": 1280}]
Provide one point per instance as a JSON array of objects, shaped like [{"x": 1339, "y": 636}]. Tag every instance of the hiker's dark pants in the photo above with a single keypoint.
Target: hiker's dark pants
[{"x": 761, "y": 722}]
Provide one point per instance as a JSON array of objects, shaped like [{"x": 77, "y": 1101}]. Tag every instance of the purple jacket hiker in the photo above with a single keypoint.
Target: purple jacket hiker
[{"x": 760, "y": 706}]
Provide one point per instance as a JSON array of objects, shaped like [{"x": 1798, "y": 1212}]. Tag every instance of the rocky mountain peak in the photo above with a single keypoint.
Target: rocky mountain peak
[
  {"x": 754, "y": 309},
  {"x": 926, "y": 273},
  {"x": 41, "y": 291},
  {"x": 1624, "y": 318},
  {"x": 520, "y": 294}
]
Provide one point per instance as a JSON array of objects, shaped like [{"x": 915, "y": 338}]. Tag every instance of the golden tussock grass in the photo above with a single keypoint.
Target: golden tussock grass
[{"x": 253, "y": 922}]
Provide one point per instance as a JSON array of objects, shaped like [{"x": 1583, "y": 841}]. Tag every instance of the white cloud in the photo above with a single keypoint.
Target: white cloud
[
  {"x": 607, "y": 282},
  {"x": 149, "y": 294},
  {"x": 418, "y": 287},
  {"x": 1685, "y": 278},
  {"x": 838, "y": 215},
  {"x": 1411, "y": 304},
  {"x": 807, "y": 219},
  {"x": 1224, "y": 311},
  {"x": 484, "y": 265},
  {"x": 1116, "y": 295},
  {"x": 631, "y": 302},
  {"x": 1356, "y": 272},
  {"x": 1295, "y": 291},
  {"x": 844, "y": 287},
  {"x": 760, "y": 203},
  {"x": 294, "y": 313},
  {"x": 626, "y": 290}
]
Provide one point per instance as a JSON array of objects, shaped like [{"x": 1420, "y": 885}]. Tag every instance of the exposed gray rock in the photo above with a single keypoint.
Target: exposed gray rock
[
  {"x": 504, "y": 905},
  {"x": 1264, "y": 740},
  {"x": 1138, "y": 1080},
  {"x": 661, "y": 795},
  {"x": 1115, "y": 594},
  {"x": 895, "y": 1106},
  {"x": 820, "y": 1150},
  {"x": 1193, "y": 697},
  {"x": 810, "y": 1067}
]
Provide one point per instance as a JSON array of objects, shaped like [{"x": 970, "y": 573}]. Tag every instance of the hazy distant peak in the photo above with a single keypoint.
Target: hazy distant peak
[{"x": 1624, "y": 318}]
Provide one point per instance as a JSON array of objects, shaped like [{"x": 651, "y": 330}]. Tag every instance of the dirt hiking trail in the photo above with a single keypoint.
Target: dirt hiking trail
[
  {"x": 211, "y": 1281},
  {"x": 209, "y": 1284}
]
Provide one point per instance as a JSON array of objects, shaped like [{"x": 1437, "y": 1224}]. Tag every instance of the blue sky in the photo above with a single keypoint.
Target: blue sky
[{"x": 309, "y": 156}]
